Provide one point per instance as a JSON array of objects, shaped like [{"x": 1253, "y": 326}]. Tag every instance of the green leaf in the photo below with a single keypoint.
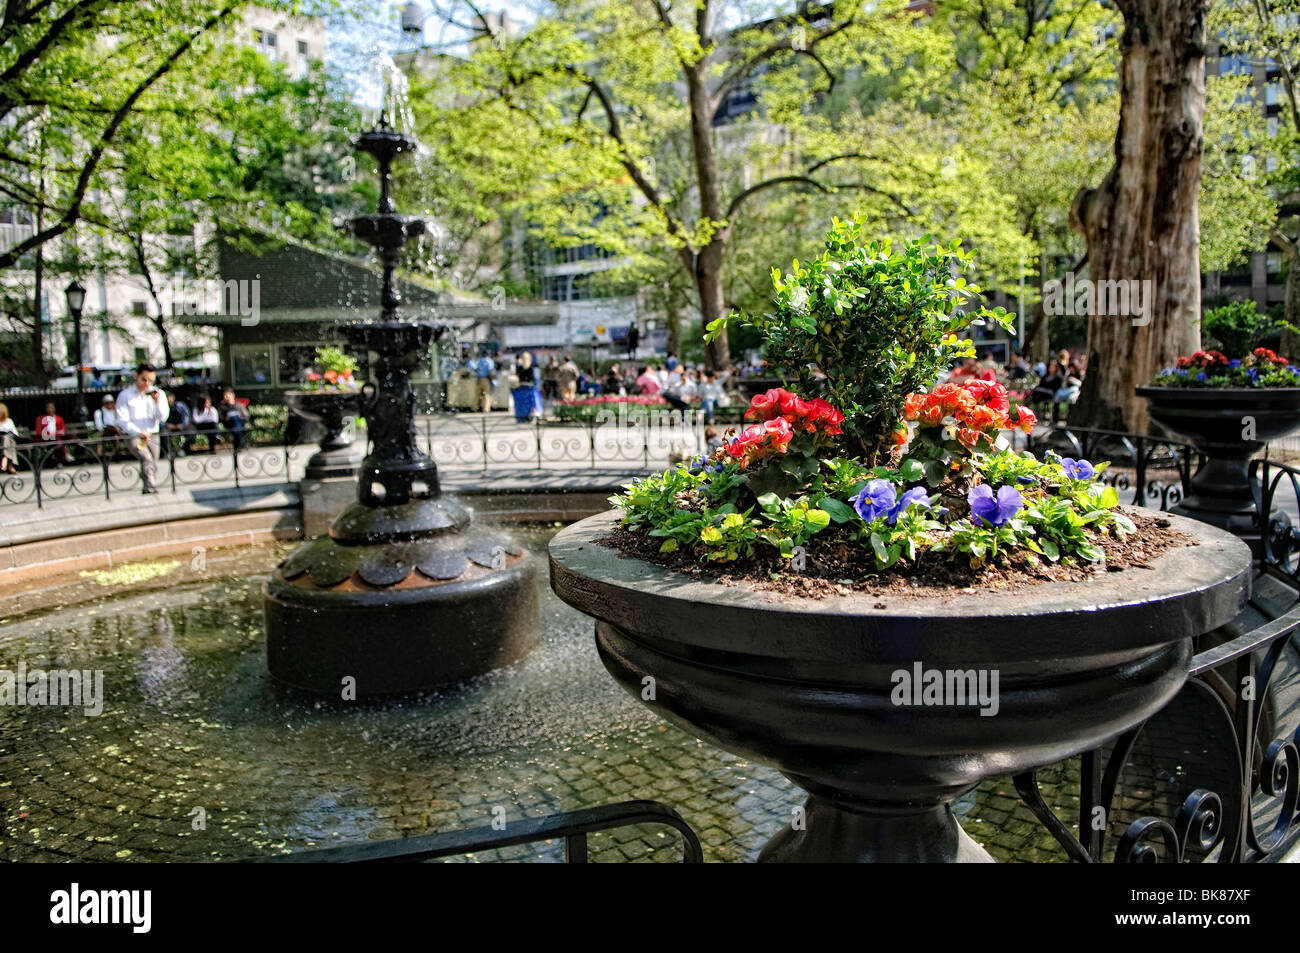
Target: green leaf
[
  {"x": 878, "y": 547},
  {"x": 1050, "y": 549},
  {"x": 669, "y": 545},
  {"x": 839, "y": 512},
  {"x": 912, "y": 471},
  {"x": 817, "y": 520}
]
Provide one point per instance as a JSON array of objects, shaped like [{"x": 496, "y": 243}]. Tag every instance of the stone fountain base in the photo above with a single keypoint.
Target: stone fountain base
[{"x": 400, "y": 615}]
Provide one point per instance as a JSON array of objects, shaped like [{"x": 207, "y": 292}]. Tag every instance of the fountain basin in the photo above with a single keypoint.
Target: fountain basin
[
  {"x": 399, "y": 617},
  {"x": 807, "y": 686}
]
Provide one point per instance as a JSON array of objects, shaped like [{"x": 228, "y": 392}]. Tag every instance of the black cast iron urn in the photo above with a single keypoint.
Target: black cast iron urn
[{"x": 405, "y": 593}]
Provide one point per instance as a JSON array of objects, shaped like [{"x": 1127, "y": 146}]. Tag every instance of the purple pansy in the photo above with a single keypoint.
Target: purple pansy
[
  {"x": 994, "y": 510},
  {"x": 877, "y": 499},
  {"x": 916, "y": 496},
  {"x": 1078, "y": 469}
]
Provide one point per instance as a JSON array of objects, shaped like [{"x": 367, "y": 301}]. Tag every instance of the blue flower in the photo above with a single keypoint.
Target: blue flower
[
  {"x": 1078, "y": 469},
  {"x": 916, "y": 496},
  {"x": 1202, "y": 376},
  {"x": 877, "y": 499},
  {"x": 1252, "y": 373},
  {"x": 1182, "y": 373},
  {"x": 1234, "y": 363},
  {"x": 1025, "y": 479},
  {"x": 1165, "y": 371},
  {"x": 994, "y": 510}
]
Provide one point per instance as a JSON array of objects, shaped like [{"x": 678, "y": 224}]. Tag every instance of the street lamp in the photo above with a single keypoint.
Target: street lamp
[{"x": 75, "y": 295}]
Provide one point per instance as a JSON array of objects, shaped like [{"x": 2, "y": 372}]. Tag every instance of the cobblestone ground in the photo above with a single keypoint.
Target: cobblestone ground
[{"x": 197, "y": 757}]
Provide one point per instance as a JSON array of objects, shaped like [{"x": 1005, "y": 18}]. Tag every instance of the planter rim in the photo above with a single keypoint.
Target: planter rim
[
  {"x": 1188, "y": 590},
  {"x": 1155, "y": 390}
]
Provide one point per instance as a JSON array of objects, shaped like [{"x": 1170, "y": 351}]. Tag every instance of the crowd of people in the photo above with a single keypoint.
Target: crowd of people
[
  {"x": 1055, "y": 381},
  {"x": 144, "y": 420}
]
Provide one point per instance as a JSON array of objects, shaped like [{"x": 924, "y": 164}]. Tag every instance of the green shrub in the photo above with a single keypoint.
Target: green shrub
[{"x": 863, "y": 325}]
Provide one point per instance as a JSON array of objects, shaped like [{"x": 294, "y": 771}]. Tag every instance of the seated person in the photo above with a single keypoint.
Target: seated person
[
  {"x": 1048, "y": 385},
  {"x": 105, "y": 419},
  {"x": 234, "y": 416},
  {"x": 51, "y": 429},
  {"x": 204, "y": 420}
]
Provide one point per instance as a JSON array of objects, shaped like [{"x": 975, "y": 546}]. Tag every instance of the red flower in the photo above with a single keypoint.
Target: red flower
[
  {"x": 1026, "y": 419},
  {"x": 765, "y": 406},
  {"x": 792, "y": 405},
  {"x": 982, "y": 418},
  {"x": 996, "y": 398},
  {"x": 913, "y": 404}
]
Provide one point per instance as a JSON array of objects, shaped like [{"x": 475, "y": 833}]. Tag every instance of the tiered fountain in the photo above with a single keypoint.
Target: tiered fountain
[{"x": 403, "y": 594}]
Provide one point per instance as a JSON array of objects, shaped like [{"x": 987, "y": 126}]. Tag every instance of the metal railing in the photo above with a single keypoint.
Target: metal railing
[
  {"x": 572, "y": 826},
  {"x": 1241, "y": 697},
  {"x": 102, "y": 466},
  {"x": 637, "y": 437}
]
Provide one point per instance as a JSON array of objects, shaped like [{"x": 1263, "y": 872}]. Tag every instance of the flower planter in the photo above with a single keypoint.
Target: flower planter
[
  {"x": 807, "y": 686},
  {"x": 1228, "y": 426},
  {"x": 331, "y": 409}
]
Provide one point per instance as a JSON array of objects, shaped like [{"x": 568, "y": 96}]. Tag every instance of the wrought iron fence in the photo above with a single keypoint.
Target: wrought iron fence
[
  {"x": 102, "y": 466},
  {"x": 625, "y": 436},
  {"x": 1234, "y": 799}
]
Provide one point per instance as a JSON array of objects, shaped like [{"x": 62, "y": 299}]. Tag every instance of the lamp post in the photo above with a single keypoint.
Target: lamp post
[{"x": 76, "y": 298}]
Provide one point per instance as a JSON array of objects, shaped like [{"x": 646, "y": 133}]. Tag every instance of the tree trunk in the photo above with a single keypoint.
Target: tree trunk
[
  {"x": 1141, "y": 223},
  {"x": 708, "y": 261},
  {"x": 38, "y": 332},
  {"x": 1291, "y": 309},
  {"x": 708, "y": 280}
]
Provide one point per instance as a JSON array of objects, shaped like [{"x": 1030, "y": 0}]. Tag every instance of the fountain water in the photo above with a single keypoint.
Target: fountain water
[{"x": 404, "y": 594}]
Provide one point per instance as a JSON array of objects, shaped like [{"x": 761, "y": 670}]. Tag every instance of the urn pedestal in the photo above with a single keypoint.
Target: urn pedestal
[
  {"x": 808, "y": 686},
  {"x": 332, "y": 410}
]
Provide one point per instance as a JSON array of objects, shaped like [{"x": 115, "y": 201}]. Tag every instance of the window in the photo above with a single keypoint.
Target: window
[
  {"x": 141, "y": 355},
  {"x": 1273, "y": 263},
  {"x": 139, "y": 308},
  {"x": 250, "y": 365},
  {"x": 302, "y": 47}
]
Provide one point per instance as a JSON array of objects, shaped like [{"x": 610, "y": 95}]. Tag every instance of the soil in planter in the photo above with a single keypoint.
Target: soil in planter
[{"x": 836, "y": 566}]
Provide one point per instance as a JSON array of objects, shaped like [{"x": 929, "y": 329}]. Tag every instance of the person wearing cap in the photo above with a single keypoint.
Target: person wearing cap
[{"x": 105, "y": 423}]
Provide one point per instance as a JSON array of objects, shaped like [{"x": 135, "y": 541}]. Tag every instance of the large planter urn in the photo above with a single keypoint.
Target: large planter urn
[
  {"x": 1228, "y": 426},
  {"x": 815, "y": 687},
  {"x": 332, "y": 409}
]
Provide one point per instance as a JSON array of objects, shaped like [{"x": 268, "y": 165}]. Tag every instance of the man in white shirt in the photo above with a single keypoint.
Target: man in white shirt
[{"x": 141, "y": 410}]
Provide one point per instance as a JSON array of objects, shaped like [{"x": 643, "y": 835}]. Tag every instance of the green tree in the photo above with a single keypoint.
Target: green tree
[{"x": 621, "y": 124}]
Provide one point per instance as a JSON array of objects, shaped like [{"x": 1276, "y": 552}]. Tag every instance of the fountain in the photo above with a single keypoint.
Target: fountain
[{"x": 404, "y": 594}]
